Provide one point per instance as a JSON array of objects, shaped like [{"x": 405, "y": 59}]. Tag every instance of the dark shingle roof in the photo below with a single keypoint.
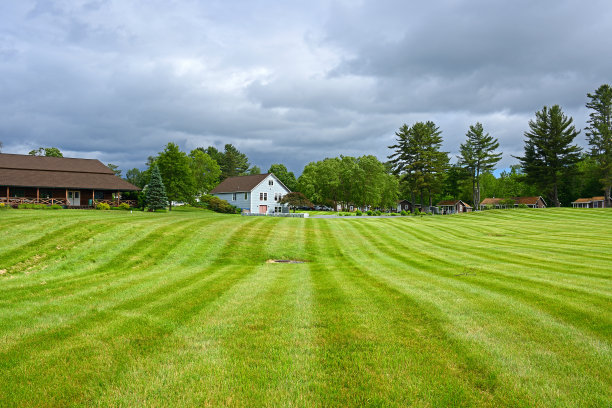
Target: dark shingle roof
[
  {"x": 239, "y": 184},
  {"x": 58, "y": 172}
]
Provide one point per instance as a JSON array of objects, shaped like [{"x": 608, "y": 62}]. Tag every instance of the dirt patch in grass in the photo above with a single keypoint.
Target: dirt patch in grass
[{"x": 285, "y": 261}]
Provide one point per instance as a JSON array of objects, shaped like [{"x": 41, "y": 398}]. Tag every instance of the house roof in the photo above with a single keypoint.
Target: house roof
[
  {"x": 517, "y": 200},
  {"x": 588, "y": 200},
  {"x": 452, "y": 202},
  {"x": 239, "y": 184},
  {"x": 58, "y": 172}
]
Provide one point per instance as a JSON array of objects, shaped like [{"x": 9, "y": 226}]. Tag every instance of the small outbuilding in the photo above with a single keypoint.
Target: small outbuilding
[
  {"x": 531, "y": 202},
  {"x": 454, "y": 207},
  {"x": 593, "y": 202}
]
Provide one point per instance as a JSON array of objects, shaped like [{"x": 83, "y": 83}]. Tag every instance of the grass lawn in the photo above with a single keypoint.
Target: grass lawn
[{"x": 501, "y": 308}]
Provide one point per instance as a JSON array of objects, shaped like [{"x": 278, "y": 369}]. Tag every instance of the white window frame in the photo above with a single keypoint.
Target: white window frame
[
  {"x": 270, "y": 182},
  {"x": 233, "y": 196}
]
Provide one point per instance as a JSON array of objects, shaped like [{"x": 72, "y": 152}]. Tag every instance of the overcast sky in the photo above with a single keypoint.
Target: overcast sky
[{"x": 287, "y": 81}]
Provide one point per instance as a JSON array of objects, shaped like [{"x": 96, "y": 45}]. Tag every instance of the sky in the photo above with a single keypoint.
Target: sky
[{"x": 287, "y": 81}]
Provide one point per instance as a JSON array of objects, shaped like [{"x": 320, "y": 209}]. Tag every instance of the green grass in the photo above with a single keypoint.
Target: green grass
[{"x": 112, "y": 308}]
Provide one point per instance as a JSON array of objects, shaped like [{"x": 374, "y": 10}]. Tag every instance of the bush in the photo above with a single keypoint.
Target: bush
[
  {"x": 53, "y": 207},
  {"x": 102, "y": 206},
  {"x": 377, "y": 212},
  {"x": 523, "y": 206},
  {"x": 122, "y": 206},
  {"x": 358, "y": 213},
  {"x": 31, "y": 206},
  {"x": 218, "y": 205},
  {"x": 393, "y": 214},
  {"x": 403, "y": 213},
  {"x": 5, "y": 206},
  {"x": 370, "y": 212}
]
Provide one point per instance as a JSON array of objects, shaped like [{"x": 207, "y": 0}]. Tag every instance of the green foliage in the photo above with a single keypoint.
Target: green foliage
[
  {"x": 216, "y": 204},
  {"x": 295, "y": 199},
  {"x": 136, "y": 177},
  {"x": 124, "y": 206},
  {"x": 361, "y": 181},
  {"x": 254, "y": 170},
  {"x": 417, "y": 158},
  {"x": 102, "y": 206},
  {"x": 550, "y": 157},
  {"x": 358, "y": 213},
  {"x": 29, "y": 206},
  {"x": 403, "y": 213},
  {"x": 478, "y": 155},
  {"x": 205, "y": 171},
  {"x": 175, "y": 170},
  {"x": 54, "y": 207},
  {"x": 115, "y": 169},
  {"x": 523, "y": 206},
  {"x": 285, "y": 176},
  {"x": 46, "y": 151},
  {"x": 599, "y": 135},
  {"x": 5, "y": 206},
  {"x": 155, "y": 193}
]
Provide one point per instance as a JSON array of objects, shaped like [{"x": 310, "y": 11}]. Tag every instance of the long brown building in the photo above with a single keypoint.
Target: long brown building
[{"x": 59, "y": 180}]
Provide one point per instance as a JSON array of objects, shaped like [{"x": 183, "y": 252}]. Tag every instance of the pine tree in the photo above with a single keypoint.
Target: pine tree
[
  {"x": 549, "y": 155},
  {"x": 418, "y": 159},
  {"x": 477, "y": 156},
  {"x": 155, "y": 195},
  {"x": 599, "y": 135}
]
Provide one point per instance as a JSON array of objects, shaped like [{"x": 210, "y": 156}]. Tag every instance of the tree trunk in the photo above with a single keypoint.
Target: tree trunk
[
  {"x": 474, "y": 191},
  {"x": 477, "y": 195},
  {"x": 169, "y": 205},
  {"x": 607, "y": 198},
  {"x": 556, "y": 196},
  {"x": 422, "y": 202}
]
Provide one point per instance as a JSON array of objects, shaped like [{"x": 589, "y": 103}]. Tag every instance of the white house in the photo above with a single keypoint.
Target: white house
[{"x": 258, "y": 193}]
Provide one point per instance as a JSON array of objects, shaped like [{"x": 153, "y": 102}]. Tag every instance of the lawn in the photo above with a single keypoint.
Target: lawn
[{"x": 501, "y": 308}]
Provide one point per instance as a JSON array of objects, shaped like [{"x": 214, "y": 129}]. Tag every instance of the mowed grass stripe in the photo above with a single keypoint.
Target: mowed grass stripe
[
  {"x": 535, "y": 332},
  {"x": 590, "y": 312}
]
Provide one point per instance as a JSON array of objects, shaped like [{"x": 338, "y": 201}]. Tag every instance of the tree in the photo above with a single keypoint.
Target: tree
[
  {"x": 155, "y": 194},
  {"x": 115, "y": 169},
  {"x": 176, "y": 174},
  {"x": 285, "y": 176},
  {"x": 418, "y": 160},
  {"x": 231, "y": 160},
  {"x": 478, "y": 155},
  {"x": 295, "y": 199},
  {"x": 136, "y": 177},
  {"x": 320, "y": 181},
  {"x": 254, "y": 170},
  {"x": 599, "y": 135},
  {"x": 205, "y": 171},
  {"x": 46, "y": 151},
  {"x": 549, "y": 155}
]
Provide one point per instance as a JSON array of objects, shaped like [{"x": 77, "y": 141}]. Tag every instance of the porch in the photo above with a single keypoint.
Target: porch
[{"x": 69, "y": 198}]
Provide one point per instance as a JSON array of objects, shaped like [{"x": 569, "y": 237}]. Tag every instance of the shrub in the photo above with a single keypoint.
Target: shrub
[
  {"x": 523, "y": 206},
  {"x": 358, "y": 213},
  {"x": 5, "y": 206},
  {"x": 102, "y": 206},
  {"x": 393, "y": 214},
  {"x": 31, "y": 206},
  {"x": 369, "y": 212},
  {"x": 377, "y": 212},
  {"x": 403, "y": 213},
  {"x": 53, "y": 207},
  {"x": 218, "y": 205}
]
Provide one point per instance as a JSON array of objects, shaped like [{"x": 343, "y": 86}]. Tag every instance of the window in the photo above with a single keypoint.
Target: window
[
  {"x": 278, "y": 209},
  {"x": 99, "y": 195},
  {"x": 17, "y": 192},
  {"x": 270, "y": 182},
  {"x": 246, "y": 196},
  {"x": 46, "y": 193},
  {"x": 263, "y": 196},
  {"x": 234, "y": 197}
]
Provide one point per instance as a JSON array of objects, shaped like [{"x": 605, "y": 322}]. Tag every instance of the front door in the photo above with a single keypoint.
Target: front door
[
  {"x": 74, "y": 198},
  {"x": 263, "y": 209}
]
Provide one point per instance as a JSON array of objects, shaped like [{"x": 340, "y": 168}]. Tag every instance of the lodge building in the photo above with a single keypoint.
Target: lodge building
[{"x": 70, "y": 182}]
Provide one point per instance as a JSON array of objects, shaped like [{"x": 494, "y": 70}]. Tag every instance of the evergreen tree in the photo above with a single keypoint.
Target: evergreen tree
[
  {"x": 155, "y": 195},
  {"x": 418, "y": 159},
  {"x": 254, "y": 170},
  {"x": 549, "y": 156},
  {"x": 176, "y": 173},
  {"x": 477, "y": 156},
  {"x": 599, "y": 135},
  {"x": 115, "y": 169}
]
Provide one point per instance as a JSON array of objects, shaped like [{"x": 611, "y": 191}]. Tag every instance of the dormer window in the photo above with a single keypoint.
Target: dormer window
[{"x": 270, "y": 182}]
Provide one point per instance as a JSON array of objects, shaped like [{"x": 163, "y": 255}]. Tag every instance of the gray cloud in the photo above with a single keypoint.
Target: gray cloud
[{"x": 117, "y": 80}]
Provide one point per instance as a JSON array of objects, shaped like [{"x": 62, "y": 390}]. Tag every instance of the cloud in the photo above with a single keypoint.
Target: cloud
[{"x": 117, "y": 80}]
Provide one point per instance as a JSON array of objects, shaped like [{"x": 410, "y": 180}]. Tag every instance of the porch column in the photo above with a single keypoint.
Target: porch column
[
  {"x": 66, "y": 196},
  {"x": 117, "y": 198},
  {"x": 7, "y": 193},
  {"x": 93, "y": 197},
  {"x": 37, "y": 193}
]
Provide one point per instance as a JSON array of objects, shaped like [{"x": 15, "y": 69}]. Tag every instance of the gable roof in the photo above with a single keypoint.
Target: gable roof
[
  {"x": 517, "y": 200},
  {"x": 588, "y": 200},
  {"x": 239, "y": 184},
  {"x": 452, "y": 202},
  {"x": 20, "y": 170}
]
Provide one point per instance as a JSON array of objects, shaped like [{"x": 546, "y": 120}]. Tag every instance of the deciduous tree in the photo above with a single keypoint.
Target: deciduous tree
[
  {"x": 205, "y": 171},
  {"x": 285, "y": 176},
  {"x": 176, "y": 174},
  {"x": 46, "y": 151},
  {"x": 295, "y": 199}
]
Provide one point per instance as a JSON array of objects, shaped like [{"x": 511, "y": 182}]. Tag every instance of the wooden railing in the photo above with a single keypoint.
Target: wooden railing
[{"x": 15, "y": 201}]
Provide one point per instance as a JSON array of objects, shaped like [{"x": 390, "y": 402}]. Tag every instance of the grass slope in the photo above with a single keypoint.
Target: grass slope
[{"x": 501, "y": 308}]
